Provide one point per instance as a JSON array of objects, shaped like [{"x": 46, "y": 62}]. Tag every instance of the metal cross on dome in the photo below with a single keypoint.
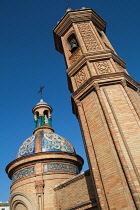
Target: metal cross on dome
[
  {"x": 68, "y": 2},
  {"x": 40, "y": 91}
]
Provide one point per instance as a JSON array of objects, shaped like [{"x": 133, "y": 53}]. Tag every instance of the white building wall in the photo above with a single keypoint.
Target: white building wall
[{"x": 4, "y": 206}]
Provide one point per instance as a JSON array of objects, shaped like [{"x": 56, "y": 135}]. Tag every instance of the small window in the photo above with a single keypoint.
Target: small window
[
  {"x": 45, "y": 112},
  {"x": 73, "y": 43},
  {"x": 37, "y": 114}
]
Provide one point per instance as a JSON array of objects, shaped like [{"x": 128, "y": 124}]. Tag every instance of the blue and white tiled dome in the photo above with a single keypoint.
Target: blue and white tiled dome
[
  {"x": 50, "y": 142},
  {"x": 28, "y": 147},
  {"x": 54, "y": 142}
]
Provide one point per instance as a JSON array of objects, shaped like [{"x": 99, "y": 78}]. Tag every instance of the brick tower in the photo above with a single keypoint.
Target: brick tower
[
  {"x": 44, "y": 160},
  {"x": 106, "y": 102}
]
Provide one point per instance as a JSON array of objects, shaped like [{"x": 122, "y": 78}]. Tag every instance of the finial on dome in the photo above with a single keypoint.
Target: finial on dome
[
  {"x": 41, "y": 100},
  {"x": 69, "y": 9}
]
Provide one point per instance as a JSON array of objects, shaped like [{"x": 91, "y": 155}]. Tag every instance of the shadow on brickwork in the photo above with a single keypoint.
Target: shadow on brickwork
[{"x": 91, "y": 191}]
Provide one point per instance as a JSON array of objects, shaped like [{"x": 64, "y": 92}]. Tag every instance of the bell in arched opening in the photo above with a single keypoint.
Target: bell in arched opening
[{"x": 73, "y": 43}]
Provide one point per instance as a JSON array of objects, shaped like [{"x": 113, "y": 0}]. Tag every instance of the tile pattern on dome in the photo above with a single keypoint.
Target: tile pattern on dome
[
  {"x": 28, "y": 147},
  {"x": 61, "y": 167},
  {"x": 22, "y": 173},
  {"x": 54, "y": 142}
]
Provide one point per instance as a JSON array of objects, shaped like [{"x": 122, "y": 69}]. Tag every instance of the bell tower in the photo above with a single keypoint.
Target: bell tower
[{"x": 106, "y": 102}]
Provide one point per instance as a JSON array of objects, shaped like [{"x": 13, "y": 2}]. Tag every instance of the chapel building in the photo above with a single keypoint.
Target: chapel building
[{"x": 106, "y": 101}]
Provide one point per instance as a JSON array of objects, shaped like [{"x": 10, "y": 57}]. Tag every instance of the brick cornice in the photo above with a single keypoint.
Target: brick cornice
[
  {"x": 43, "y": 156},
  {"x": 106, "y": 79},
  {"x": 42, "y": 106},
  {"x": 43, "y": 128},
  {"x": 75, "y": 16},
  {"x": 102, "y": 80},
  {"x": 94, "y": 56}
]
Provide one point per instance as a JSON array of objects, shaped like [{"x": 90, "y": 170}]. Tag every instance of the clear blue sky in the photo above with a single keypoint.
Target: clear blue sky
[{"x": 28, "y": 59}]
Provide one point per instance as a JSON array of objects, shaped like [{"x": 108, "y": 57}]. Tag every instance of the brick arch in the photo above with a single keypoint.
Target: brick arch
[
  {"x": 20, "y": 201},
  {"x": 68, "y": 34},
  {"x": 20, "y": 206},
  {"x": 66, "y": 42},
  {"x": 67, "y": 50}
]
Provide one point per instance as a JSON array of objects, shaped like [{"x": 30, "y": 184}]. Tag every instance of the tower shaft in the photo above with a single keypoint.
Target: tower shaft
[{"x": 105, "y": 100}]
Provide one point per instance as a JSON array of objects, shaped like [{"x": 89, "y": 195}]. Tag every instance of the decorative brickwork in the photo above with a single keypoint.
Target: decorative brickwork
[
  {"x": 90, "y": 40},
  {"x": 75, "y": 55},
  {"x": 80, "y": 77},
  {"x": 103, "y": 67}
]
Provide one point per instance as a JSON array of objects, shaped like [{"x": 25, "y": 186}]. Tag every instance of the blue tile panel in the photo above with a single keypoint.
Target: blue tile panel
[
  {"x": 61, "y": 167},
  {"x": 28, "y": 147},
  {"x": 54, "y": 142},
  {"x": 22, "y": 173}
]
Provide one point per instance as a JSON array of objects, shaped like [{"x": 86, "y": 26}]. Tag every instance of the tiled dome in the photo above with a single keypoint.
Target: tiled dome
[
  {"x": 50, "y": 142},
  {"x": 28, "y": 147}
]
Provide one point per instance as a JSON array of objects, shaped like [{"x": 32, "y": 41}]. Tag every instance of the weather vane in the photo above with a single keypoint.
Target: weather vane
[{"x": 40, "y": 91}]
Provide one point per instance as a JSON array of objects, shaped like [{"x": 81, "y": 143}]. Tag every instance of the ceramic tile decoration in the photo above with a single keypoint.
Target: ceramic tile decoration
[
  {"x": 54, "y": 142},
  {"x": 61, "y": 167},
  {"x": 28, "y": 147},
  {"x": 22, "y": 173}
]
